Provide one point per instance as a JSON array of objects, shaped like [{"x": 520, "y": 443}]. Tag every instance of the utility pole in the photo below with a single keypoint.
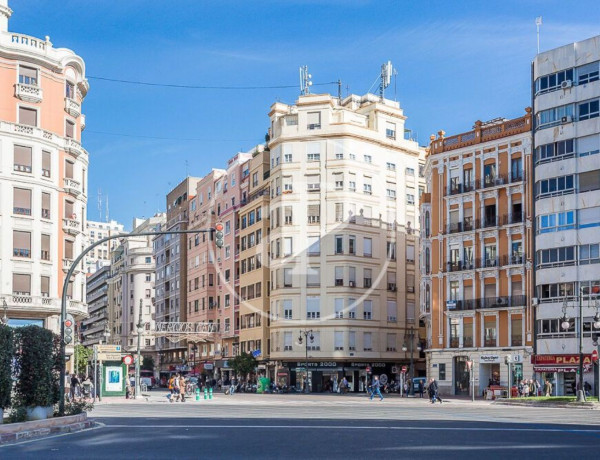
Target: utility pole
[{"x": 140, "y": 329}]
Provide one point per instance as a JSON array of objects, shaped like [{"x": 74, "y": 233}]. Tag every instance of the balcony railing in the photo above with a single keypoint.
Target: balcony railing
[
  {"x": 487, "y": 222},
  {"x": 489, "y": 303},
  {"x": 514, "y": 218},
  {"x": 515, "y": 259},
  {"x": 458, "y": 227},
  {"x": 487, "y": 262},
  {"x": 28, "y": 93},
  {"x": 72, "y": 186},
  {"x": 492, "y": 181},
  {"x": 455, "y": 189},
  {"x": 454, "y": 343},
  {"x": 71, "y": 226},
  {"x": 72, "y": 107}
]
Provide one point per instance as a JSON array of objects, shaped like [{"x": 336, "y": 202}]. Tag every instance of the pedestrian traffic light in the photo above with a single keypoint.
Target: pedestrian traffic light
[
  {"x": 219, "y": 235},
  {"x": 69, "y": 324}
]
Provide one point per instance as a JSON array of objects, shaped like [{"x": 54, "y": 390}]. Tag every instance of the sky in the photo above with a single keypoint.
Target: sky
[{"x": 457, "y": 62}]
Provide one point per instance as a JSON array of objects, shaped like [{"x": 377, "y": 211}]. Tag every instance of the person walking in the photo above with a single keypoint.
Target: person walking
[
  {"x": 182, "y": 384},
  {"x": 548, "y": 388},
  {"x": 176, "y": 388},
  {"x": 432, "y": 390},
  {"x": 376, "y": 388},
  {"x": 74, "y": 390},
  {"x": 420, "y": 389}
]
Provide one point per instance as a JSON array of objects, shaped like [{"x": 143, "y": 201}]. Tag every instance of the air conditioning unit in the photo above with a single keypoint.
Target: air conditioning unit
[
  {"x": 566, "y": 119},
  {"x": 566, "y": 84},
  {"x": 535, "y": 301}
]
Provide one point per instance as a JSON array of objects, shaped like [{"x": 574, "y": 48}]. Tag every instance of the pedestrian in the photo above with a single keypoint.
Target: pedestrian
[
  {"x": 536, "y": 386},
  {"x": 548, "y": 388},
  {"x": 406, "y": 388},
  {"x": 525, "y": 390},
  {"x": 376, "y": 388},
  {"x": 335, "y": 386},
  {"x": 171, "y": 395},
  {"x": 344, "y": 386},
  {"x": 182, "y": 384},
  {"x": 420, "y": 388},
  {"x": 432, "y": 390},
  {"x": 74, "y": 390}
]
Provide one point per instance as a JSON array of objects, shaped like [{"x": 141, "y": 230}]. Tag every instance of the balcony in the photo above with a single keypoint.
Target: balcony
[
  {"x": 514, "y": 218},
  {"x": 515, "y": 259},
  {"x": 459, "y": 227},
  {"x": 67, "y": 264},
  {"x": 487, "y": 262},
  {"x": 487, "y": 303},
  {"x": 467, "y": 342},
  {"x": 71, "y": 225},
  {"x": 73, "y": 147},
  {"x": 456, "y": 189},
  {"x": 454, "y": 342},
  {"x": 72, "y": 186},
  {"x": 72, "y": 107},
  {"x": 487, "y": 222},
  {"x": 28, "y": 93},
  {"x": 492, "y": 181}
]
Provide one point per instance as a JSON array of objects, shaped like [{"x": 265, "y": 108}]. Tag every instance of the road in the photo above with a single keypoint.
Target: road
[{"x": 307, "y": 426}]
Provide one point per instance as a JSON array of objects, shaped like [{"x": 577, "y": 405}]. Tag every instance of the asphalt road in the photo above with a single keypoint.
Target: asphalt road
[{"x": 299, "y": 426}]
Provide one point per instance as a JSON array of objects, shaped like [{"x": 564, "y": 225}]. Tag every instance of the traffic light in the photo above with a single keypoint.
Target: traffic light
[
  {"x": 69, "y": 324},
  {"x": 219, "y": 235}
]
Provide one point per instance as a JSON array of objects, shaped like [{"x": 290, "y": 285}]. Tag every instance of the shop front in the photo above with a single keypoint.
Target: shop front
[
  {"x": 324, "y": 376},
  {"x": 561, "y": 371}
]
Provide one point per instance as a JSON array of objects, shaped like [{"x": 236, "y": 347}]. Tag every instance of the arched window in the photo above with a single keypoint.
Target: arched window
[
  {"x": 427, "y": 224},
  {"x": 427, "y": 262}
]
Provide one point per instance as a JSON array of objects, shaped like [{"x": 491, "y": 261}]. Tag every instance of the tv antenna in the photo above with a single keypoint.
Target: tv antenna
[
  {"x": 538, "y": 23},
  {"x": 100, "y": 205},
  {"x": 305, "y": 80},
  {"x": 385, "y": 77}
]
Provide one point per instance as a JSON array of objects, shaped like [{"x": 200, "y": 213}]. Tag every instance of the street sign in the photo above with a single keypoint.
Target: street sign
[
  {"x": 368, "y": 369},
  {"x": 208, "y": 367},
  {"x": 595, "y": 355},
  {"x": 128, "y": 359},
  {"x": 404, "y": 369},
  {"x": 108, "y": 348},
  {"x": 109, "y": 356}
]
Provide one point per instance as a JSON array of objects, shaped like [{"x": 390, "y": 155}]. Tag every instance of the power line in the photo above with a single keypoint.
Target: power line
[
  {"x": 172, "y": 85},
  {"x": 192, "y": 139}
]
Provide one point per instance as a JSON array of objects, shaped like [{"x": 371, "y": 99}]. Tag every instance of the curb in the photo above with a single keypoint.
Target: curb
[
  {"x": 35, "y": 429},
  {"x": 550, "y": 405}
]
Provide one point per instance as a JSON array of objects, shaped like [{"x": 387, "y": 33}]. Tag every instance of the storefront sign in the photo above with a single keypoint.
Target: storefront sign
[
  {"x": 560, "y": 369},
  {"x": 560, "y": 360},
  {"x": 489, "y": 359}
]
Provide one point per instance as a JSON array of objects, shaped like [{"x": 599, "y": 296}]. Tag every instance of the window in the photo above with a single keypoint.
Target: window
[
  {"x": 368, "y": 159},
  {"x": 287, "y": 246},
  {"x": 46, "y": 163},
  {"x": 553, "y": 81},
  {"x": 339, "y": 212},
  {"x": 338, "y": 340},
  {"x": 69, "y": 90},
  {"x": 589, "y": 181},
  {"x": 287, "y": 309},
  {"x": 22, "y": 159},
  {"x": 27, "y": 116},
  {"x": 589, "y": 254},
  {"x": 588, "y": 73},
  {"x": 390, "y": 166},
  {"x": 287, "y": 184},
  {"x": 287, "y": 341},
  {"x": 391, "y": 194},
  {"x": 352, "y": 182},
  {"x": 313, "y": 276},
  {"x": 410, "y": 253},
  {"x": 442, "y": 371},
  {"x": 391, "y": 342},
  {"x": 313, "y": 307},
  {"x": 352, "y": 308},
  {"x": 313, "y": 151},
  {"x": 391, "y": 250},
  {"x": 21, "y": 284},
  {"x": 21, "y": 244},
  {"x": 45, "y": 251},
  {"x": 28, "y": 76},
  {"x": 367, "y": 247},
  {"x": 555, "y": 186},
  {"x": 339, "y": 181},
  {"x": 490, "y": 331},
  {"x": 227, "y": 227},
  {"x": 367, "y": 277},
  {"x": 556, "y": 151},
  {"x": 352, "y": 276},
  {"x": 410, "y": 196},
  {"x": 45, "y": 286},
  {"x": 287, "y": 215},
  {"x": 22, "y": 201},
  {"x": 556, "y": 222},
  {"x": 367, "y": 342},
  {"x": 339, "y": 276},
  {"x": 409, "y": 171},
  {"x": 410, "y": 312},
  {"x": 287, "y": 277},
  {"x": 553, "y": 116},
  {"x": 314, "y": 213},
  {"x": 390, "y": 130},
  {"x": 588, "y": 217},
  {"x": 69, "y": 129},
  {"x": 339, "y": 307},
  {"x": 287, "y": 158},
  {"x": 392, "y": 314},
  {"x": 314, "y": 245},
  {"x": 351, "y": 244},
  {"x": 556, "y": 257},
  {"x": 368, "y": 309},
  {"x": 339, "y": 244},
  {"x": 588, "y": 145},
  {"x": 313, "y": 120},
  {"x": 516, "y": 169},
  {"x": 367, "y": 187}
]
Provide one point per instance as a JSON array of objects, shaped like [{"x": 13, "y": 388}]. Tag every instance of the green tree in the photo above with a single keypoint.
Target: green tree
[
  {"x": 7, "y": 348},
  {"x": 84, "y": 354},
  {"x": 148, "y": 363},
  {"x": 243, "y": 364}
]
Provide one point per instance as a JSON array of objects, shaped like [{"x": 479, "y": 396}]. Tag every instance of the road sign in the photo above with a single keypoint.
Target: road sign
[
  {"x": 368, "y": 369},
  {"x": 108, "y": 348},
  {"x": 109, "y": 356},
  {"x": 128, "y": 359},
  {"x": 595, "y": 355},
  {"x": 404, "y": 369}
]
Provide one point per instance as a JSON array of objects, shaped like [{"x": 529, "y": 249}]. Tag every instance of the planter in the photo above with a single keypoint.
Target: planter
[{"x": 38, "y": 412}]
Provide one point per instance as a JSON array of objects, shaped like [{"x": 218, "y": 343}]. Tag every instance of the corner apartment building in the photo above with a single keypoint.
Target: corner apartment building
[
  {"x": 170, "y": 252},
  {"x": 100, "y": 255},
  {"x": 213, "y": 277},
  {"x": 253, "y": 300},
  {"x": 566, "y": 94},
  {"x": 477, "y": 255},
  {"x": 343, "y": 237},
  {"x": 43, "y": 177}
]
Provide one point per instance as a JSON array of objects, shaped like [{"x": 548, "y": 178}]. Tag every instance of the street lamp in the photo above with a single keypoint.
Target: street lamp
[
  {"x": 194, "y": 351},
  {"x": 308, "y": 335},
  {"x": 411, "y": 336},
  {"x": 140, "y": 329},
  {"x": 5, "y": 307},
  {"x": 565, "y": 323}
]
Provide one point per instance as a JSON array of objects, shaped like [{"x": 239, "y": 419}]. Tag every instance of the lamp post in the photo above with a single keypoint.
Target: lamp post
[
  {"x": 194, "y": 350},
  {"x": 140, "y": 329},
  {"x": 411, "y": 337},
  {"x": 308, "y": 335},
  {"x": 5, "y": 307},
  {"x": 565, "y": 324}
]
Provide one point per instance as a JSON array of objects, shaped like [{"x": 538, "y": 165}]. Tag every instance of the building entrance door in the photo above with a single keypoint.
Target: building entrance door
[{"x": 461, "y": 376}]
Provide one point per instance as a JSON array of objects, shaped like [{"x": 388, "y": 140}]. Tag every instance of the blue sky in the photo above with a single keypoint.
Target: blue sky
[{"x": 457, "y": 62}]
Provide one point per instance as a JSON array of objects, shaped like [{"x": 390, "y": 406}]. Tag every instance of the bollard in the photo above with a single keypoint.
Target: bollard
[
  {"x": 205, "y": 393},
  {"x": 197, "y": 394},
  {"x": 210, "y": 393}
]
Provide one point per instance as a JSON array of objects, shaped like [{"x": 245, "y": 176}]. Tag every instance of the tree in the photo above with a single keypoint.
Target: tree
[
  {"x": 243, "y": 364},
  {"x": 148, "y": 363},
  {"x": 84, "y": 355},
  {"x": 6, "y": 356}
]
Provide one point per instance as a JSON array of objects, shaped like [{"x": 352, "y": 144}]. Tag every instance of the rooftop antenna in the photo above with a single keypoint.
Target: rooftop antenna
[
  {"x": 385, "y": 78},
  {"x": 100, "y": 205},
  {"x": 339, "y": 83},
  {"x": 538, "y": 23},
  {"x": 395, "y": 85},
  {"x": 305, "y": 81},
  {"x": 107, "y": 213}
]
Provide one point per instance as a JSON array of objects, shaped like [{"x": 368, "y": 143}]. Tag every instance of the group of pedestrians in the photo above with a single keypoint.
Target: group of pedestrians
[
  {"x": 432, "y": 390},
  {"x": 177, "y": 384},
  {"x": 528, "y": 388},
  {"x": 80, "y": 386}
]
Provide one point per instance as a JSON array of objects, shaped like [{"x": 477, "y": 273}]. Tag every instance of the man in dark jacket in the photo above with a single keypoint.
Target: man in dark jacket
[
  {"x": 432, "y": 391},
  {"x": 376, "y": 388}
]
